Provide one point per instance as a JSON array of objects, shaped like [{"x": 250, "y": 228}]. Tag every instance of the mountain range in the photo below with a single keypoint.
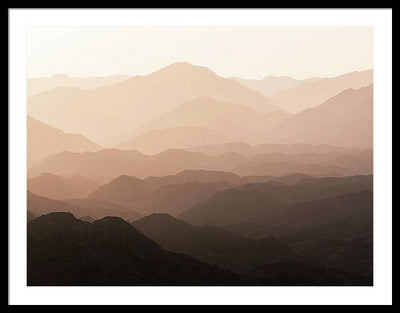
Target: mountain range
[
  {"x": 125, "y": 196},
  {"x": 137, "y": 100},
  {"x": 252, "y": 202},
  {"x": 273, "y": 84},
  {"x": 40, "y": 84},
  {"x": 183, "y": 177},
  {"x": 158, "y": 140},
  {"x": 44, "y": 140},
  {"x": 334, "y": 229},
  {"x": 38, "y": 205},
  {"x": 61, "y": 188},
  {"x": 229, "y": 121},
  {"x": 193, "y": 102},
  {"x": 65, "y": 251},
  {"x": 313, "y": 93},
  {"x": 343, "y": 120},
  {"x": 169, "y": 194},
  {"x": 321, "y": 225},
  {"x": 211, "y": 244},
  {"x": 110, "y": 163},
  {"x": 249, "y": 151},
  {"x": 331, "y": 122}
]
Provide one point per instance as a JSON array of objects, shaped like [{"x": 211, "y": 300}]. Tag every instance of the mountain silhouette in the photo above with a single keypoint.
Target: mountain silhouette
[
  {"x": 343, "y": 120},
  {"x": 205, "y": 112},
  {"x": 137, "y": 100},
  {"x": 249, "y": 151},
  {"x": 176, "y": 198},
  {"x": 65, "y": 251},
  {"x": 343, "y": 216},
  {"x": 182, "y": 177},
  {"x": 200, "y": 176},
  {"x": 262, "y": 165},
  {"x": 250, "y": 202},
  {"x": 124, "y": 190},
  {"x": 333, "y": 232},
  {"x": 273, "y": 84},
  {"x": 96, "y": 209},
  {"x": 61, "y": 188},
  {"x": 40, "y": 84},
  {"x": 96, "y": 166},
  {"x": 210, "y": 244},
  {"x": 329, "y": 232},
  {"x": 286, "y": 179},
  {"x": 271, "y": 121},
  {"x": 158, "y": 140},
  {"x": 314, "y": 93},
  {"x": 172, "y": 194},
  {"x": 44, "y": 140}
]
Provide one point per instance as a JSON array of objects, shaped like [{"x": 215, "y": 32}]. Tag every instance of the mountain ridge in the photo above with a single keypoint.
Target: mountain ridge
[
  {"x": 132, "y": 258},
  {"x": 44, "y": 140},
  {"x": 134, "y": 100}
]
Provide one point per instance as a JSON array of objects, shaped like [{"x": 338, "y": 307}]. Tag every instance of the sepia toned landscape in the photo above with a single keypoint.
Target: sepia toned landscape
[{"x": 187, "y": 177}]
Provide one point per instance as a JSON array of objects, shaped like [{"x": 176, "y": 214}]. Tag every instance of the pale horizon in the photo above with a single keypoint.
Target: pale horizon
[
  {"x": 85, "y": 52},
  {"x": 245, "y": 78}
]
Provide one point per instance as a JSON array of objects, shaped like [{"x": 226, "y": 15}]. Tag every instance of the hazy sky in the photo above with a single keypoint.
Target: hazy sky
[{"x": 247, "y": 52}]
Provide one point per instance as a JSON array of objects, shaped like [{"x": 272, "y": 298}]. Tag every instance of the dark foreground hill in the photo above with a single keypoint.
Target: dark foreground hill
[
  {"x": 301, "y": 274},
  {"x": 212, "y": 245},
  {"x": 65, "y": 251},
  {"x": 250, "y": 202},
  {"x": 96, "y": 209},
  {"x": 329, "y": 222}
]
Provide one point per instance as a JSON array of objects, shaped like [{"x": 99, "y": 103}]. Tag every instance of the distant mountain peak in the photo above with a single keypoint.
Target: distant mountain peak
[
  {"x": 159, "y": 216},
  {"x": 184, "y": 67},
  {"x": 112, "y": 221},
  {"x": 57, "y": 218},
  {"x": 173, "y": 151},
  {"x": 126, "y": 178}
]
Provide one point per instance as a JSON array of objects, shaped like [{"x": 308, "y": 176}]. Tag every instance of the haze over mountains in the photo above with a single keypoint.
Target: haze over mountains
[
  {"x": 343, "y": 120},
  {"x": 38, "y": 205},
  {"x": 184, "y": 177},
  {"x": 233, "y": 120},
  {"x": 221, "y": 108},
  {"x": 40, "y": 84},
  {"x": 311, "y": 94},
  {"x": 44, "y": 140},
  {"x": 96, "y": 165},
  {"x": 159, "y": 140},
  {"x": 248, "y": 150},
  {"x": 136, "y": 100},
  {"x": 273, "y": 84},
  {"x": 332, "y": 122},
  {"x": 60, "y": 188},
  {"x": 169, "y": 198}
]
